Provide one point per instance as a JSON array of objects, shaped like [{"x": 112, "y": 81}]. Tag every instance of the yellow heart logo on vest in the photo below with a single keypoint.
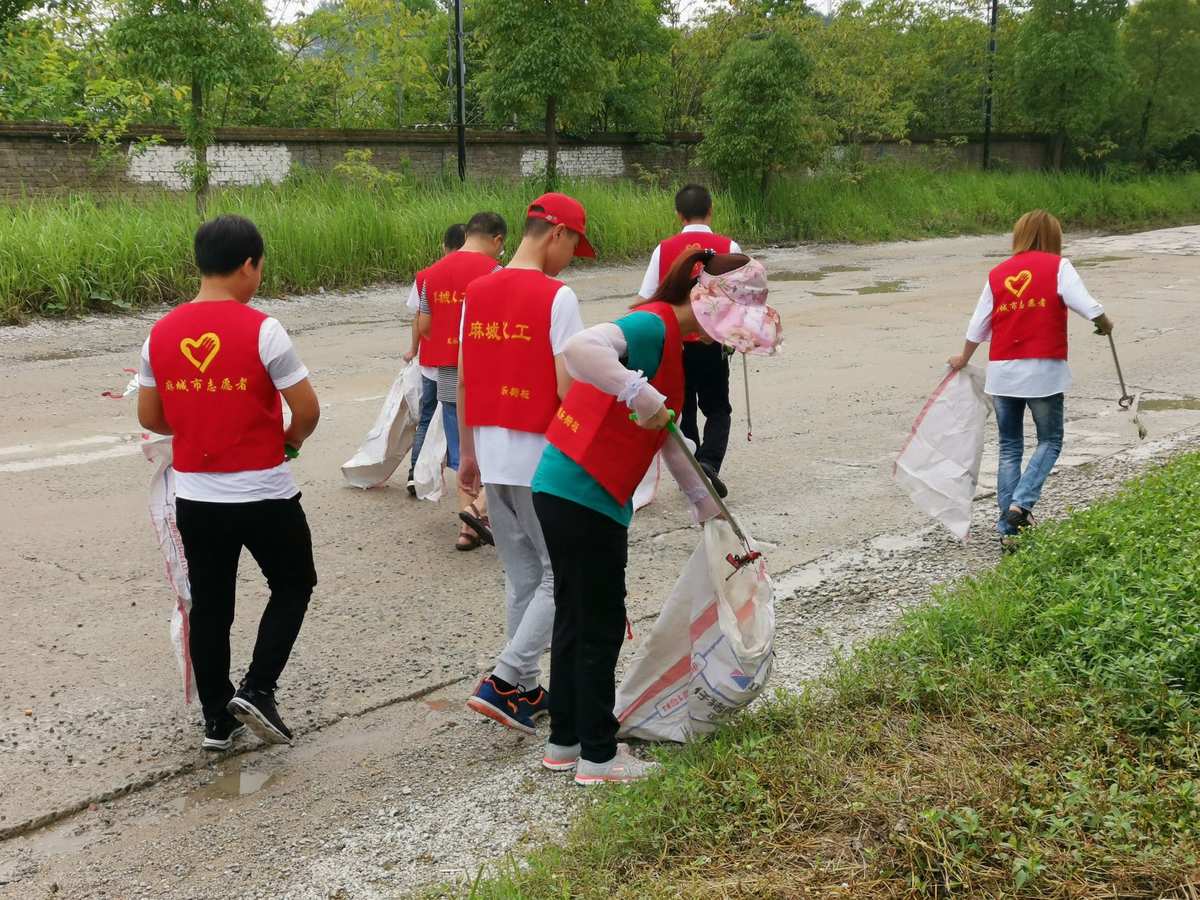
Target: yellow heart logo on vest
[
  {"x": 1019, "y": 282},
  {"x": 209, "y": 346}
]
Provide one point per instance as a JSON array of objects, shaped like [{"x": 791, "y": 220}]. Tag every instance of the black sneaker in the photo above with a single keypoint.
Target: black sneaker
[
  {"x": 717, "y": 483},
  {"x": 411, "y": 487},
  {"x": 256, "y": 710},
  {"x": 220, "y": 732}
]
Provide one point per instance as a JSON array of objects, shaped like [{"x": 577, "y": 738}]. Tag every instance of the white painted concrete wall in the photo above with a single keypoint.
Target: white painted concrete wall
[
  {"x": 230, "y": 164},
  {"x": 597, "y": 161}
]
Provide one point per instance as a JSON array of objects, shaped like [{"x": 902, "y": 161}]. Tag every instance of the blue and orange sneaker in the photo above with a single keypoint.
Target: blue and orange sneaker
[
  {"x": 507, "y": 706},
  {"x": 538, "y": 702}
]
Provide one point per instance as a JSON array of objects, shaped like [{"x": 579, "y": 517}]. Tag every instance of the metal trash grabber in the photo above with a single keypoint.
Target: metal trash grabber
[
  {"x": 746, "y": 380},
  {"x": 1127, "y": 401},
  {"x": 736, "y": 561}
]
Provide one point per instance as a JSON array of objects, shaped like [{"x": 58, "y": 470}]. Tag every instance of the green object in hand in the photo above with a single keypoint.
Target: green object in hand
[{"x": 290, "y": 452}]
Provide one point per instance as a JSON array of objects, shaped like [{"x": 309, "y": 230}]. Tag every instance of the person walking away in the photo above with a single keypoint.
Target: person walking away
[
  {"x": 1022, "y": 311},
  {"x": 705, "y": 365},
  {"x": 211, "y": 376},
  {"x": 442, "y": 288},
  {"x": 584, "y": 485},
  {"x": 452, "y": 240},
  {"x": 516, "y": 323}
]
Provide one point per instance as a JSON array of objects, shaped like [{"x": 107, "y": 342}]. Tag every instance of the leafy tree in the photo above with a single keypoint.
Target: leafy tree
[
  {"x": 559, "y": 60},
  {"x": 202, "y": 44},
  {"x": 356, "y": 64},
  {"x": 10, "y": 9},
  {"x": 758, "y": 118},
  {"x": 863, "y": 67},
  {"x": 1069, "y": 68},
  {"x": 1161, "y": 42}
]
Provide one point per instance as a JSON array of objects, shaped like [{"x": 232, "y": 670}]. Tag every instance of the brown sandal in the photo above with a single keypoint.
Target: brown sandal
[
  {"x": 467, "y": 540},
  {"x": 480, "y": 525}
]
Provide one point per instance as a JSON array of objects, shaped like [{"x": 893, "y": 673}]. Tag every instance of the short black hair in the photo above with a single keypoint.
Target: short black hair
[
  {"x": 223, "y": 245},
  {"x": 455, "y": 236},
  {"x": 693, "y": 202},
  {"x": 536, "y": 226},
  {"x": 488, "y": 224}
]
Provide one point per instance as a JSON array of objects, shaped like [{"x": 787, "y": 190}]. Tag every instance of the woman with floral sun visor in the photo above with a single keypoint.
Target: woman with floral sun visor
[{"x": 598, "y": 454}]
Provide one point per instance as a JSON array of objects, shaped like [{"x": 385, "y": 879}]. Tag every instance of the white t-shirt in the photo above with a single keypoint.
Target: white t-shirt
[
  {"x": 1031, "y": 377},
  {"x": 279, "y": 357},
  {"x": 506, "y": 456},
  {"x": 414, "y": 303},
  {"x": 651, "y": 279}
]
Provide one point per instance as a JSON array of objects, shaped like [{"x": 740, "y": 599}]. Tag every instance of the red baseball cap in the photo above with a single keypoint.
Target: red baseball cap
[{"x": 559, "y": 209}]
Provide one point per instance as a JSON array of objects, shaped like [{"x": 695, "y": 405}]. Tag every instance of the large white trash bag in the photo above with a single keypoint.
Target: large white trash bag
[
  {"x": 429, "y": 474},
  {"x": 938, "y": 467},
  {"x": 391, "y": 437},
  {"x": 162, "y": 516},
  {"x": 710, "y": 652}
]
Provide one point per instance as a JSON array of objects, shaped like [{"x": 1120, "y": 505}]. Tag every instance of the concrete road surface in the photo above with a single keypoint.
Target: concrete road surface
[{"x": 91, "y": 712}]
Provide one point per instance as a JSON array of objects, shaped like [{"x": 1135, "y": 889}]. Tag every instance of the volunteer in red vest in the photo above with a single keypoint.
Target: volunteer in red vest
[
  {"x": 1023, "y": 312},
  {"x": 212, "y": 375},
  {"x": 705, "y": 366},
  {"x": 584, "y": 485},
  {"x": 443, "y": 286},
  {"x": 453, "y": 239},
  {"x": 516, "y": 323}
]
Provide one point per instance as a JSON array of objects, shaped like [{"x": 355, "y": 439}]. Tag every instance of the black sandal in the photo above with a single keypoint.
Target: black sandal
[{"x": 481, "y": 525}]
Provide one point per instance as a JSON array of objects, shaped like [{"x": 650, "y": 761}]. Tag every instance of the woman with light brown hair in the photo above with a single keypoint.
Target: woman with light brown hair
[{"x": 1023, "y": 313}]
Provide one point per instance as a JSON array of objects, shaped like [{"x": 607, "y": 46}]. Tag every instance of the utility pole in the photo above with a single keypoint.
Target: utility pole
[
  {"x": 987, "y": 97},
  {"x": 460, "y": 69}
]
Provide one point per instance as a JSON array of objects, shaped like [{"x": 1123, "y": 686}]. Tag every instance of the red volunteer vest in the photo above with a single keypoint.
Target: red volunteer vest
[
  {"x": 445, "y": 285},
  {"x": 593, "y": 428},
  {"x": 217, "y": 396},
  {"x": 674, "y": 247},
  {"x": 508, "y": 375},
  {"x": 1029, "y": 318}
]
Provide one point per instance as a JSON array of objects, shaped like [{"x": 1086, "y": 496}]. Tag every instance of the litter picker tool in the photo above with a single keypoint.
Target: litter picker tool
[
  {"x": 751, "y": 555},
  {"x": 1127, "y": 401},
  {"x": 746, "y": 381}
]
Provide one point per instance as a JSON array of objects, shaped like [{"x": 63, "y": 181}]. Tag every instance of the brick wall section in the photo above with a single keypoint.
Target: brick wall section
[{"x": 36, "y": 159}]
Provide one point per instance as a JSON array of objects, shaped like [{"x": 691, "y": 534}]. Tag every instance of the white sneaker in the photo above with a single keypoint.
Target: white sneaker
[
  {"x": 621, "y": 769},
  {"x": 558, "y": 758}
]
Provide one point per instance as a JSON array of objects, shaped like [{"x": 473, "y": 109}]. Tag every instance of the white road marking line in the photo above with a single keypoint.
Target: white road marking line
[
  {"x": 70, "y": 459},
  {"x": 78, "y": 442}
]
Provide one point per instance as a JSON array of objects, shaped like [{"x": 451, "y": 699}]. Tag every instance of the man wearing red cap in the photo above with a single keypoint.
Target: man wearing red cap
[{"x": 515, "y": 325}]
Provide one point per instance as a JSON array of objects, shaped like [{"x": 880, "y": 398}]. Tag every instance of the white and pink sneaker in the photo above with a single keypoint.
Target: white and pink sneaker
[{"x": 621, "y": 769}]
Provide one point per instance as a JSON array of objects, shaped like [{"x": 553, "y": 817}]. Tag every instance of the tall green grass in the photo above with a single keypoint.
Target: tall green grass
[
  {"x": 82, "y": 253},
  {"x": 1033, "y": 733}
]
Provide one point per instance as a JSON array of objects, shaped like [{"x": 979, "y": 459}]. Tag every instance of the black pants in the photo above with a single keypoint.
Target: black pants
[
  {"x": 277, "y": 536},
  {"x": 588, "y": 553},
  {"x": 706, "y": 385}
]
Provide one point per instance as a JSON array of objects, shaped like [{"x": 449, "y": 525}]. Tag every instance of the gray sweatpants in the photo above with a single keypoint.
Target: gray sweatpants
[{"x": 528, "y": 579}]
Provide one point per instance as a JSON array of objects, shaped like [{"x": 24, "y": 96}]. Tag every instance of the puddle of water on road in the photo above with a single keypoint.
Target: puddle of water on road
[
  {"x": 883, "y": 287},
  {"x": 232, "y": 781},
  {"x": 1089, "y": 261},
  {"x": 788, "y": 275},
  {"x": 843, "y": 269},
  {"x": 1164, "y": 405}
]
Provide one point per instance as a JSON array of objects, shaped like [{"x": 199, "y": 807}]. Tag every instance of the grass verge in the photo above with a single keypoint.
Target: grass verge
[
  {"x": 82, "y": 253},
  {"x": 1033, "y": 732}
]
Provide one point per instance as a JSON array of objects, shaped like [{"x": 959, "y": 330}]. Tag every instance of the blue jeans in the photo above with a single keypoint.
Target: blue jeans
[
  {"x": 428, "y": 405},
  {"x": 1012, "y": 485},
  {"x": 450, "y": 423}
]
